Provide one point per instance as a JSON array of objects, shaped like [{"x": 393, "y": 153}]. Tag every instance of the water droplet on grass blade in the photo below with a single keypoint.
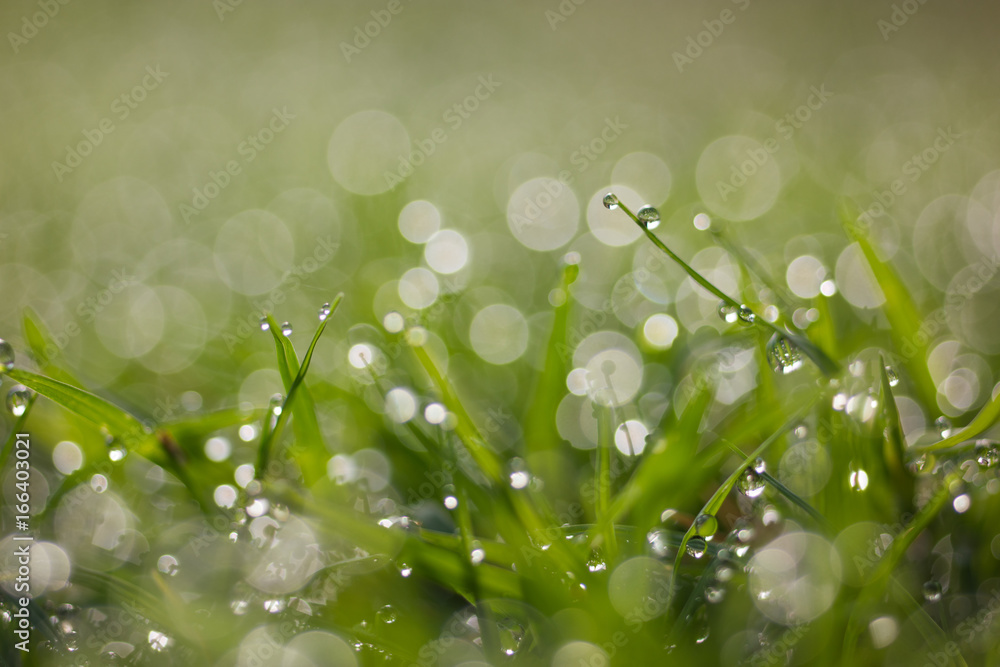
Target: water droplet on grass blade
[
  {"x": 6, "y": 356},
  {"x": 610, "y": 201},
  {"x": 858, "y": 479},
  {"x": 943, "y": 425},
  {"x": 750, "y": 483},
  {"x": 478, "y": 554},
  {"x": 649, "y": 216},
  {"x": 705, "y": 525},
  {"x": 168, "y": 565},
  {"x": 286, "y": 329},
  {"x": 890, "y": 374},
  {"x": 324, "y": 311},
  {"x": 760, "y": 465},
  {"x": 17, "y": 400},
  {"x": 728, "y": 313},
  {"x": 511, "y": 635},
  {"x": 745, "y": 315},
  {"x": 783, "y": 356},
  {"x": 714, "y": 594},
  {"x": 386, "y": 615},
  {"x": 932, "y": 591},
  {"x": 987, "y": 453},
  {"x": 264, "y": 326},
  {"x": 696, "y": 547},
  {"x": 416, "y": 336}
]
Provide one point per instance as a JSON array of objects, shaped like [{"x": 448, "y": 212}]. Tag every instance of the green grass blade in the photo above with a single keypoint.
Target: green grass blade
[
  {"x": 715, "y": 502},
  {"x": 309, "y": 451},
  {"x": 467, "y": 431},
  {"x": 827, "y": 365},
  {"x": 124, "y": 427},
  {"x": 876, "y": 586},
  {"x": 539, "y": 423},
  {"x": 986, "y": 418},
  {"x": 902, "y": 313}
]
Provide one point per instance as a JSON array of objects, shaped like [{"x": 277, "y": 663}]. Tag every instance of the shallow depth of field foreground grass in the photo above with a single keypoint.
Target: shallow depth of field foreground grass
[{"x": 796, "y": 524}]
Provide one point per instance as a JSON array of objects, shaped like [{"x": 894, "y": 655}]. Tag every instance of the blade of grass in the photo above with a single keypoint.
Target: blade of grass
[
  {"x": 602, "y": 481},
  {"x": 715, "y": 502},
  {"x": 119, "y": 423},
  {"x": 539, "y": 422},
  {"x": 827, "y": 365},
  {"x": 902, "y": 313},
  {"x": 875, "y": 586},
  {"x": 309, "y": 451},
  {"x": 986, "y": 418}
]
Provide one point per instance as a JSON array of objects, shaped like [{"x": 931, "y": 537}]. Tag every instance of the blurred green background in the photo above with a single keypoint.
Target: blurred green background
[{"x": 562, "y": 72}]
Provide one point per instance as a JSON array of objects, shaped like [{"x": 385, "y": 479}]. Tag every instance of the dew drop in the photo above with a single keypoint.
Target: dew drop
[
  {"x": 746, "y": 316},
  {"x": 99, "y": 483},
  {"x": 158, "y": 641},
  {"x": 760, "y": 465},
  {"x": 696, "y": 547},
  {"x": 275, "y": 403},
  {"x": 286, "y": 329},
  {"x": 264, "y": 326},
  {"x": 450, "y": 502},
  {"x": 932, "y": 591},
  {"x": 783, "y": 356},
  {"x": 416, "y": 336},
  {"x": 705, "y": 525},
  {"x": 649, "y": 217},
  {"x": 750, "y": 483},
  {"x": 405, "y": 570},
  {"x": 478, "y": 554},
  {"x": 890, "y": 374},
  {"x": 728, "y": 313},
  {"x": 116, "y": 452},
  {"x": 386, "y": 615},
  {"x": 168, "y": 565},
  {"x": 923, "y": 463},
  {"x": 596, "y": 562},
  {"x": 987, "y": 453},
  {"x": 610, "y": 201},
  {"x": 17, "y": 400},
  {"x": 324, "y": 312},
  {"x": 858, "y": 479},
  {"x": 943, "y": 425},
  {"x": 275, "y": 606},
  {"x": 511, "y": 635},
  {"x": 6, "y": 356},
  {"x": 519, "y": 479},
  {"x": 714, "y": 594}
]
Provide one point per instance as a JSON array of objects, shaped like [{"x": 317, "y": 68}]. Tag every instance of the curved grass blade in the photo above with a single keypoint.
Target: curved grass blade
[
  {"x": 827, "y": 365},
  {"x": 121, "y": 425},
  {"x": 902, "y": 313},
  {"x": 715, "y": 502},
  {"x": 986, "y": 418}
]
